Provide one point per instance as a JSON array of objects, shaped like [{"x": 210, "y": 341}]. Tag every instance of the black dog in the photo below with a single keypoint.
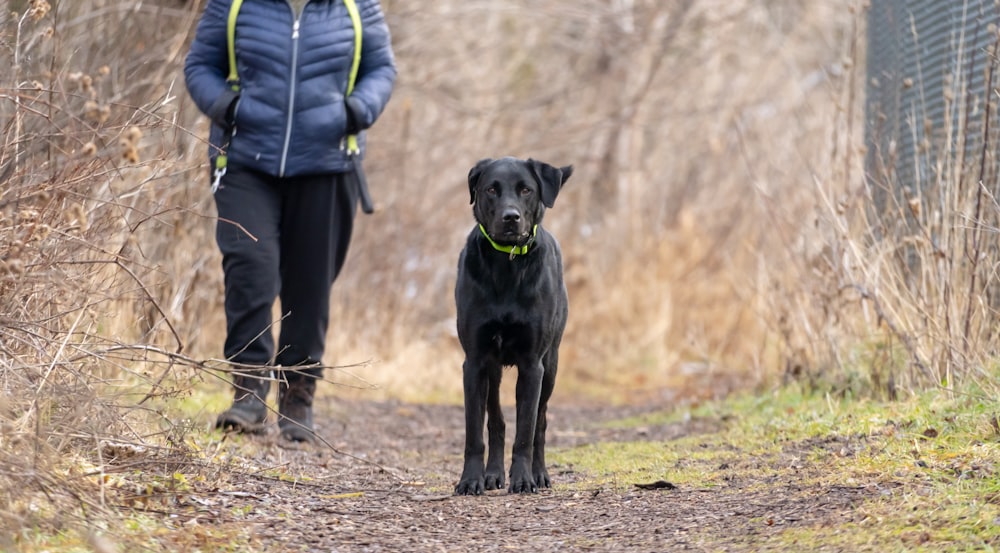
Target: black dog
[{"x": 512, "y": 310}]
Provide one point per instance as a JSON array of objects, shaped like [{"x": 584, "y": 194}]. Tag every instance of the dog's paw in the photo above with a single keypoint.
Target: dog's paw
[
  {"x": 470, "y": 486},
  {"x": 522, "y": 482},
  {"x": 495, "y": 479},
  {"x": 542, "y": 479},
  {"x": 522, "y": 486}
]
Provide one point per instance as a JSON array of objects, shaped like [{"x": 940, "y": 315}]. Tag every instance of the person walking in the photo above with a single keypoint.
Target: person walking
[{"x": 289, "y": 95}]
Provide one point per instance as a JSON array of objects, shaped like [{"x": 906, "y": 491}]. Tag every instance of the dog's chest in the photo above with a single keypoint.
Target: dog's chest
[
  {"x": 508, "y": 308},
  {"x": 509, "y": 338}
]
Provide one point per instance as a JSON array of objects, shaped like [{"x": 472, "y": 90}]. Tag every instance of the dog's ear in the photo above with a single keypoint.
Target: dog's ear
[
  {"x": 474, "y": 177},
  {"x": 550, "y": 179}
]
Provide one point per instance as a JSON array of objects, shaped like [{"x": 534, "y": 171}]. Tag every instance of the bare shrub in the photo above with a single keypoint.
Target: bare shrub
[
  {"x": 903, "y": 270},
  {"x": 91, "y": 232}
]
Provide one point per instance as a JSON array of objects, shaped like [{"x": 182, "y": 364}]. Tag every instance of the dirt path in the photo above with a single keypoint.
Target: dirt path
[{"x": 394, "y": 493}]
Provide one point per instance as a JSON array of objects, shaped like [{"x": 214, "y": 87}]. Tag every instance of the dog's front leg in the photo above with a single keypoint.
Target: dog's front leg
[
  {"x": 529, "y": 387},
  {"x": 475, "y": 384},
  {"x": 495, "y": 429}
]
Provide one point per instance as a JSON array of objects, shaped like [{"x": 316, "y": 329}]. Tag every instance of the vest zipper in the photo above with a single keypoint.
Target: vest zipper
[{"x": 291, "y": 94}]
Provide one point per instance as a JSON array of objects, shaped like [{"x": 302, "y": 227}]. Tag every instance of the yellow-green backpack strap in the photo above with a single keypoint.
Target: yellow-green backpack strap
[
  {"x": 222, "y": 159},
  {"x": 352, "y": 10},
  {"x": 234, "y": 10}
]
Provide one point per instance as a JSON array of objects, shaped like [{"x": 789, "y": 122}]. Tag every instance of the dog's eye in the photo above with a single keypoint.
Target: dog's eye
[
  {"x": 491, "y": 190},
  {"x": 525, "y": 191}
]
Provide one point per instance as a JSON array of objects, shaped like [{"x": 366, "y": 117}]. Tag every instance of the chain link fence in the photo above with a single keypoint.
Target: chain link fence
[{"x": 931, "y": 91}]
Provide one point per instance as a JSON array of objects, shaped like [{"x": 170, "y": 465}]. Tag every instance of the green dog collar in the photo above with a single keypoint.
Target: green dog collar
[{"x": 512, "y": 250}]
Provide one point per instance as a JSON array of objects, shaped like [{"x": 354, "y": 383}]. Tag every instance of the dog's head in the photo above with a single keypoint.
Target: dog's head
[{"x": 509, "y": 195}]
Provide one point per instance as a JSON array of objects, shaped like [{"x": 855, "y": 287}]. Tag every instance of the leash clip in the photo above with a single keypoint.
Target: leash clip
[{"x": 217, "y": 178}]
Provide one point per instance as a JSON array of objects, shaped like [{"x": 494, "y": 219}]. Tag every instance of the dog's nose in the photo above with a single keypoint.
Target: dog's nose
[{"x": 511, "y": 216}]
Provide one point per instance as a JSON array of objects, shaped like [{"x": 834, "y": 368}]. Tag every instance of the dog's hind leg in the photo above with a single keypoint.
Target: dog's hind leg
[
  {"x": 538, "y": 469},
  {"x": 476, "y": 383},
  {"x": 528, "y": 390},
  {"x": 496, "y": 428}
]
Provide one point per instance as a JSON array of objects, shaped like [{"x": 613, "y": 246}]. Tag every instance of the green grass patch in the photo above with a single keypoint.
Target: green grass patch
[{"x": 929, "y": 463}]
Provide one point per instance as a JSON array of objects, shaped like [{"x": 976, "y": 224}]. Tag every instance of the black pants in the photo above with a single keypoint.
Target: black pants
[{"x": 284, "y": 238}]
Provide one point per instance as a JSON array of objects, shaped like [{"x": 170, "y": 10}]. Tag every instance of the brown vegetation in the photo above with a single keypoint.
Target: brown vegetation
[{"x": 715, "y": 229}]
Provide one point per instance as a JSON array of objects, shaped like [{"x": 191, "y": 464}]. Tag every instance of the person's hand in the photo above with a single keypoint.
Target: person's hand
[
  {"x": 355, "y": 115},
  {"x": 225, "y": 118},
  {"x": 231, "y": 112}
]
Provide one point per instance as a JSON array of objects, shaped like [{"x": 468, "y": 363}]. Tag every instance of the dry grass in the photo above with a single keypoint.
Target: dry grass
[
  {"x": 904, "y": 291},
  {"x": 715, "y": 229},
  {"x": 695, "y": 128}
]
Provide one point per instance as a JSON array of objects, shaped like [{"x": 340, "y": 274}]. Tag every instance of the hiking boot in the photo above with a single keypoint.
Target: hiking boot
[
  {"x": 295, "y": 398},
  {"x": 249, "y": 409}
]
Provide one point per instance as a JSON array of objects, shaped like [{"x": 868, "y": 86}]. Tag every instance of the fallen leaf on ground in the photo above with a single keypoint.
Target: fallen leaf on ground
[
  {"x": 658, "y": 485},
  {"x": 348, "y": 495}
]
